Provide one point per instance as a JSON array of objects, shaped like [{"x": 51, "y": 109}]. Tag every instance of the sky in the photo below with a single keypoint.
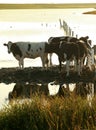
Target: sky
[{"x": 47, "y": 1}]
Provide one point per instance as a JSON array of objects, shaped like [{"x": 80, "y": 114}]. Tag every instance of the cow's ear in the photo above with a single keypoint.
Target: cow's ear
[
  {"x": 87, "y": 37},
  {"x": 5, "y": 44}
]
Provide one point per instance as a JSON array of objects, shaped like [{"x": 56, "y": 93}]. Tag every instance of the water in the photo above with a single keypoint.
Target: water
[
  {"x": 4, "y": 91},
  {"x": 38, "y": 25},
  {"x": 4, "y": 95}
]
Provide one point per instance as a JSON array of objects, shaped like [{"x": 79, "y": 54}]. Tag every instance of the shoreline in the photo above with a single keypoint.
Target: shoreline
[{"x": 40, "y": 75}]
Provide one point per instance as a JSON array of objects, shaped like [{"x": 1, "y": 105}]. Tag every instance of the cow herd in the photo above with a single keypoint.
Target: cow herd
[{"x": 67, "y": 49}]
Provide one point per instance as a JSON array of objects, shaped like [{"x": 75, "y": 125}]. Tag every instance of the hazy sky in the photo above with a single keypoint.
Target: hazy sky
[{"x": 47, "y": 1}]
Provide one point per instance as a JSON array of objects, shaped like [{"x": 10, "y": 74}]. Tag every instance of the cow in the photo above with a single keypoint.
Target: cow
[
  {"x": 21, "y": 50},
  {"x": 62, "y": 38},
  {"x": 85, "y": 51},
  {"x": 57, "y": 45},
  {"x": 26, "y": 90},
  {"x": 69, "y": 51},
  {"x": 66, "y": 51},
  {"x": 57, "y": 40},
  {"x": 94, "y": 49}
]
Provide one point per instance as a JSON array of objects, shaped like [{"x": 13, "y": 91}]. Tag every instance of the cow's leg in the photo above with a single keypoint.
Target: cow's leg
[
  {"x": 60, "y": 65},
  {"x": 67, "y": 67},
  {"x": 89, "y": 61},
  {"x": 43, "y": 64},
  {"x": 44, "y": 59},
  {"x": 50, "y": 55},
  {"x": 78, "y": 67},
  {"x": 81, "y": 64},
  {"x": 21, "y": 63},
  {"x": 75, "y": 64}
]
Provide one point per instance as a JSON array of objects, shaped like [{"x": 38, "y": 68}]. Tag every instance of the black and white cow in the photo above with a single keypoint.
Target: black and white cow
[{"x": 21, "y": 50}]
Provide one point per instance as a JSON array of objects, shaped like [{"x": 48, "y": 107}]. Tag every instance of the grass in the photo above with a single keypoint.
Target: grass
[{"x": 49, "y": 113}]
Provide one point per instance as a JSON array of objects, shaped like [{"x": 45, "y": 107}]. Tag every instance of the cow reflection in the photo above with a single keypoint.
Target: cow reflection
[
  {"x": 26, "y": 90},
  {"x": 53, "y": 89},
  {"x": 81, "y": 89}
]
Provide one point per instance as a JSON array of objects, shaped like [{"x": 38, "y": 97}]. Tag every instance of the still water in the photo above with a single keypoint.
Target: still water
[
  {"x": 4, "y": 95},
  {"x": 4, "y": 91}
]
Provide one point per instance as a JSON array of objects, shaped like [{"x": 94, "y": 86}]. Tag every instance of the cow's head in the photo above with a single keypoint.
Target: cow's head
[
  {"x": 86, "y": 41},
  {"x": 50, "y": 39},
  {"x": 8, "y": 46}
]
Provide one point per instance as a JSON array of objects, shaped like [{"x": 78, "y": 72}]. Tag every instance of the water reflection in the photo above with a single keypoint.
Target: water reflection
[
  {"x": 26, "y": 90},
  {"x": 4, "y": 91},
  {"x": 52, "y": 88}
]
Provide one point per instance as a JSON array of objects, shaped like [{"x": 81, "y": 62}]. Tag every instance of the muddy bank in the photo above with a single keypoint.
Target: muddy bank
[{"x": 39, "y": 75}]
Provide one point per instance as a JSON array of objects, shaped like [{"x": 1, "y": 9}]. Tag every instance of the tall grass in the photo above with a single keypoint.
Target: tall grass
[{"x": 48, "y": 113}]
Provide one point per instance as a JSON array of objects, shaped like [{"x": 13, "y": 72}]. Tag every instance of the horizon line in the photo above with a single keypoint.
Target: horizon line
[{"x": 47, "y": 6}]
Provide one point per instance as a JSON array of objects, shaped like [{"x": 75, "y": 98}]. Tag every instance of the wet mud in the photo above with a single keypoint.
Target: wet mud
[{"x": 40, "y": 75}]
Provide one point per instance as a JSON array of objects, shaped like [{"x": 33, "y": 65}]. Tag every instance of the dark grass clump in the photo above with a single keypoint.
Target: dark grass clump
[{"x": 48, "y": 113}]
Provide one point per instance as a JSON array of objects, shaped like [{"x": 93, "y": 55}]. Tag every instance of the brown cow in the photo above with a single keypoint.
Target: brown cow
[{"x": 57, "y": 45}]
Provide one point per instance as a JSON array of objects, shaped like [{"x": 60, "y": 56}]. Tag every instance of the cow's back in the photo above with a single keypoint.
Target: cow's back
[
  {"x": 36, "y": 49},
  {"x": 31, "y": 49}
]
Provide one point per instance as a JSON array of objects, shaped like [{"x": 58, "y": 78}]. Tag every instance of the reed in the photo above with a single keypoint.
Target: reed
[{"x": 49, "y": 113}]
